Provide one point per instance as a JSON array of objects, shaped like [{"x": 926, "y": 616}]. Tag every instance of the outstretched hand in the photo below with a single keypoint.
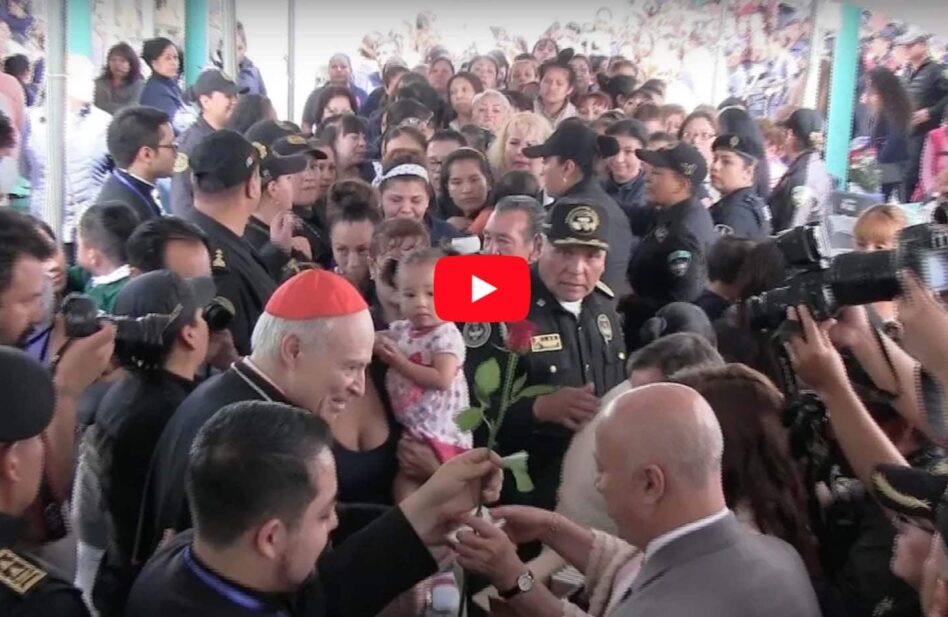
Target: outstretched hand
[
  {"x": 488, "y": 551},
  {"x": 812, "y": 353}
]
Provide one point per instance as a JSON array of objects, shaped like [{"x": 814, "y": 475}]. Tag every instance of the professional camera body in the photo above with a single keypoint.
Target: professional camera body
[
  {"x": 83, "y": 318},
  {"x": 825, "y": 283}
]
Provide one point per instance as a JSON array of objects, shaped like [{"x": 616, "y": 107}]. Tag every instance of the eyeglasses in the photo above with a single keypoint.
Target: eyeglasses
[{"x": 171, "y": 146}]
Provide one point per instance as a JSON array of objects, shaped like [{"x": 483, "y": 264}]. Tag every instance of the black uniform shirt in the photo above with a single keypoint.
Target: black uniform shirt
[
  {"x": 182, "y": 191},
  {"x": 240, "y": 276},
  {"x": 670, "y": 264},
  {"x": 280, "y": 264},
  {"x": 742, "y": 213},
  {"x": 26, "y": 588},
  {"x": 565, "y": 351}
]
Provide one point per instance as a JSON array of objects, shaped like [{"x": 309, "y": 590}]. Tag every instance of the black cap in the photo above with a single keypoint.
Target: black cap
[
  {"x": 28, "y": 396},
  {"x": 738, "y": 144},
  {"x": 575, "y": 141},
  {"x": 214, "y": 80},
  {"x": 913, "y": 493},
  {"x": 268, "y": 132},
  {"x": 807, "y": 125},
  {"x": 162, "y": 292},
  {"x": 281, "y": 159},
  {"x": 679, "y": 157},
  {"x": 575, "y": 222},
  {"x": 221, "y": 160}
]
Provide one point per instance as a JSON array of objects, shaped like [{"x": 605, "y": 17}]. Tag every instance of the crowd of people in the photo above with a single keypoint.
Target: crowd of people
[{"x": 226, "y": 380}]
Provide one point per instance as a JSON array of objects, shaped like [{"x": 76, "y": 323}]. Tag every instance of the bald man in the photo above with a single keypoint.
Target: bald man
[{"x": 659, "y": 452}]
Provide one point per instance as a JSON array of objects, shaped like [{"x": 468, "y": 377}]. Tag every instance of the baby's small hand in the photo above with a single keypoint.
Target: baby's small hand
[{"x": 385, "y": 348}]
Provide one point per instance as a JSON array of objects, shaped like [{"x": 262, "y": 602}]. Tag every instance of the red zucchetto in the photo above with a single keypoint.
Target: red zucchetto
[{"x": 315, "y": 294}]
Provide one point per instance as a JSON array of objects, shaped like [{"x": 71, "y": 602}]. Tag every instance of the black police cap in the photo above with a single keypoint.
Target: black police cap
[
  {"x": 162, "y": 292},
  {"x": 679, "y": 157},
  {"x": 215, "y": 80},
  {"x": 577, "y": 222},
  {"x": 283, "y": 158},
  {"x": 807, "y": 125},
  {"x": 28, "y": 396},
  {"x": 738, "y": 144},
  {"x": 575, "y": 141},
  {"x": 222, "y": 160}
]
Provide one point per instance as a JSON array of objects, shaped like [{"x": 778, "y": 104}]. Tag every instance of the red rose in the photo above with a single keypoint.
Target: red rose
[{"x": 519, "y": 335}]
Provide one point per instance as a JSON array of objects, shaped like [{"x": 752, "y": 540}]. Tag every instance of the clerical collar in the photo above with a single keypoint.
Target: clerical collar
[{"x": 139, "y": 178}]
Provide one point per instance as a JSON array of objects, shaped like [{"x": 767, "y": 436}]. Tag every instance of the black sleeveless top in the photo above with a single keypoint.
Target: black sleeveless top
[{"x": 366, "y": 477}]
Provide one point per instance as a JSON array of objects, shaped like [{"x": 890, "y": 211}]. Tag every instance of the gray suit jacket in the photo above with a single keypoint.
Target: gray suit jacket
[{"x": 722, "y": 570}]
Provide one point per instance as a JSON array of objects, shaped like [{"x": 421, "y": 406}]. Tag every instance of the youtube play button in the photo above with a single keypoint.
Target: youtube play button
[{"x": 482, "y": 288}]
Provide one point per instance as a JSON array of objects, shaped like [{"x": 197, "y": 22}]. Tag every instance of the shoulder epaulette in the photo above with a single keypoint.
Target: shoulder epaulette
[{"x": 18, "y": 574}]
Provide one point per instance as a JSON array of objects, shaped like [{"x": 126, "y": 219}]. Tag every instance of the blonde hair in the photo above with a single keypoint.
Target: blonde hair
[
  {"x": 528, "y": 123},
  {"x": 879, "y": 224}
]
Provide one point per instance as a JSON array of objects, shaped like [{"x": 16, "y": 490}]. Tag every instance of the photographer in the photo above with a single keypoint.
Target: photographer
[
  {"x": 75, "y": 365},
  {"x": 129, "y": 420}
]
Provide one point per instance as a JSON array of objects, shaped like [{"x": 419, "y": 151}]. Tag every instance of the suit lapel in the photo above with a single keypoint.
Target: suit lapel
[{"x": 710, "y": 539}]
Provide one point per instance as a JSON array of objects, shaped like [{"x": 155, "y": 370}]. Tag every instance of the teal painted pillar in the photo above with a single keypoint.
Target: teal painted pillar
[
  {"x": 195, "y": 39},
  {"x": 842, "y": 96},
  {"x": 79, "y": 24}
]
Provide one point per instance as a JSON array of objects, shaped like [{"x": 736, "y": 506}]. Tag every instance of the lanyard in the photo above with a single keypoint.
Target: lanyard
[
  {"x": 128, "y": 184},
  {"x": 225, "y": 589}
]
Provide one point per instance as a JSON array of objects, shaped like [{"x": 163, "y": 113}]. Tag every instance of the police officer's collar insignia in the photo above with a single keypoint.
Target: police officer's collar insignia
[
  {"x": 296, "y": 140},
  {"x": 17, "y": 574},
  {"x": 605, "y": 289},
  {"x": 582, "y": 220},
  {"x": 546, "y": 342},
  {"x": 541, "y": 302},
  {"x": 261, "y": 149},
  {"x": 661, "y": 232},
  {"x": 688, "y": 168},
  {"x": 219, "y": 259},
  {"x": 605, "y": 327},
  {"x": 678, "y": 262},
  {"x": 476, "y": 334},
  {"x": 181, "y": 163},
  {"x": 724, "y": 230},
  {"x": 735, "y": 141}
]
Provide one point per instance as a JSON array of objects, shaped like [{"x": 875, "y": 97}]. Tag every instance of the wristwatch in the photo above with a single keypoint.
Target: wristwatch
[{"x": 524, "y": 584}]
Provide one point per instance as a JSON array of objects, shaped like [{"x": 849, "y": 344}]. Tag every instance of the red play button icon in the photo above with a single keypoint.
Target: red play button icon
[{"x": 482, "y": 288}]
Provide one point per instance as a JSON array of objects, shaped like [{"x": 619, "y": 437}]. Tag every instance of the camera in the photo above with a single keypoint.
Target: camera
[
  {"x": 825, "y": 283},
  {"x": 83, "y": 318}
]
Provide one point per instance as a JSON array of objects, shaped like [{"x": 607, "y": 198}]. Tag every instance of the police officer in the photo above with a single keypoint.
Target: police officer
[
  {"x": 669, "y": 265},
  {"x": 27, "y": 587},
  {"x": 802, "y": 194},
  {"x": 225, "y": 169},
  {"x": 928, "y": 87},
  {"x": 216, "y": 94},
  {"x": 576, "y": 345},
  {"x": 740, "y": 211}
]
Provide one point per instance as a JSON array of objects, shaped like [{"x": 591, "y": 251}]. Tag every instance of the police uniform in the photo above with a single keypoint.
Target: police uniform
[
  {"x": 669, "y": 264},
  {"x": 803, "y": 192},
  {"x": 928, "y": 88},
  {"x": 182, "y": 191},
  {"x": 223, "y": 160},
  {"x": 566, "y": 349},
  {"x": 741, "y": 212},
  {"x": 27, "y": 587}
]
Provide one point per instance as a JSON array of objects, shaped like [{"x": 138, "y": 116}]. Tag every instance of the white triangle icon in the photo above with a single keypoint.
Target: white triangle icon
[{"x": 480, "y": 288}]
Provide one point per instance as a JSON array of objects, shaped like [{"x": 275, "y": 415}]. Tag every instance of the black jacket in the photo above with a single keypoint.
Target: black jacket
[
  {"x": 29, "y": 588},
  {"x": 127, "y": 426},
  {"x": 138, "y": 195},
  {"x": 620, "y": 233},
  {"x": 356, "y": 579},
  {"x": 566, "y": 351},
  {"x": 240, "y": 276},
  {"x": 742, "y": 213},
  {"x": 631, "y": 198},
  {"x": 670, "y": 264},
  {"x": 928, "y": 87}
]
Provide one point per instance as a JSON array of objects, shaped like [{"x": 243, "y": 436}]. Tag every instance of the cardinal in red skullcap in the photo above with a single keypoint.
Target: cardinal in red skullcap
[{"x": 315, "y": 294}]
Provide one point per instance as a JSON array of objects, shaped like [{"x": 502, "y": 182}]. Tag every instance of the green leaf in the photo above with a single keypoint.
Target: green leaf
[
  {"x": 487, "y": 378},
  {"x": 537, "y": 390},
  {"x": 518, "y": 385},
  {"x": 469, "y": 419},
  {"x": 517, "y": 464}
]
